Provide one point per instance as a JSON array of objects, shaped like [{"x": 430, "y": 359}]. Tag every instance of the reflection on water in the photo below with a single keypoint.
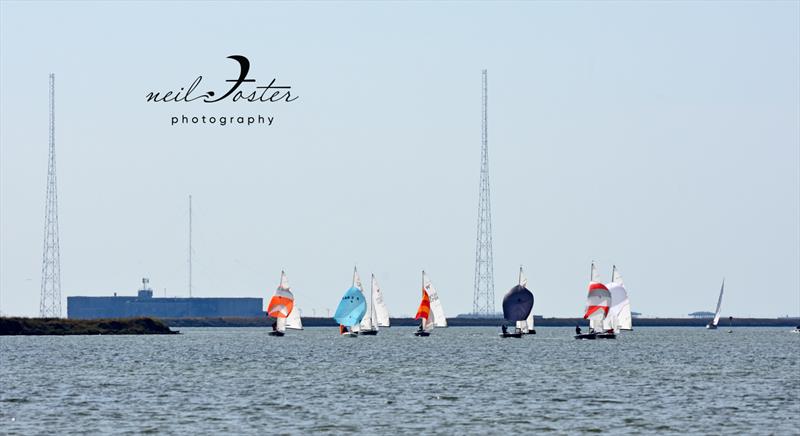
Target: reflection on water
[{"x": 458, "y": 380}]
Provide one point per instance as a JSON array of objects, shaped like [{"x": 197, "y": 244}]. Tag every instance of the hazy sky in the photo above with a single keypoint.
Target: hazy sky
[{"x": 660, "y": 137}]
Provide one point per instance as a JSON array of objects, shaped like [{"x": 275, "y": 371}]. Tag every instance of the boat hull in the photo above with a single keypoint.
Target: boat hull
[
  {"x": 530, "y": 332},
  {"x": 368, "y": 332},
  {"x": 606, "y": 336},
  {"x": 422, "y": 334},
  {"x": 276, "y": 333},
  {"x": 711, "y": 327},
  {"x": 350, "y": 334},
  {"x": 511, "y": 335},
  {"x": 586, "y": 336}
]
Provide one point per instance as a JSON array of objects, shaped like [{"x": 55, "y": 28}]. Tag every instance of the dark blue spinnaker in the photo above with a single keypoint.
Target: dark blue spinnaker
[{"x": 517, "y": 304}]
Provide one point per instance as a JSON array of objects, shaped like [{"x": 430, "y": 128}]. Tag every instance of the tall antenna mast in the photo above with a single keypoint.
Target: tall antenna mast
[
  {"x": 190, "y": 246},
  {"x": 483, "y": 301},
  {"x": 50, "y": 301}
]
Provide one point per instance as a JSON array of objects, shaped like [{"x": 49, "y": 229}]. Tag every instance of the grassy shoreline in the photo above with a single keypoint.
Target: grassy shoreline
[{"x": 16, "y": 326}]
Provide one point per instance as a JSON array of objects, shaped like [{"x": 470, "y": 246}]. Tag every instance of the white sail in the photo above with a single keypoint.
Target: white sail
[
  {"x": 719, "y": 304},
  {"x": 526, "y": 325},
  {"x": 381, "y": 312},
  {"x": 293, "y": 321},
  {"x": 616, "y": 277},
  {"x": 281, "y": 325},
  {"x": 357, "y": 280},
  {"x": 619, "y": 311},
  {"x": 430, "y": 323},
  {"x": 595, "y": 275},
  {"x": 368, "y": 323},
  {"x": 523, "y": 281},
  {"x": 437, "y": 312}
]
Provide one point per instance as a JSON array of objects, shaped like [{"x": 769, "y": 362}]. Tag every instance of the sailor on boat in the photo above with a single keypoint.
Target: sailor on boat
[
  {"x": 504, "y": 329},
  {"x": 577, "y": 329}
]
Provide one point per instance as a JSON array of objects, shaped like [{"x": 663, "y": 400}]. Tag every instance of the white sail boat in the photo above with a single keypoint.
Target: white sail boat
[
  {"x": 430, "y": 311},
  {"x": 713, "y": 324},
  {"x": 619, "y": 314},
  {"x": 597, "y": 303},
  {"x": 282, "y": 308},
  {"x": 377, "y": 314}
]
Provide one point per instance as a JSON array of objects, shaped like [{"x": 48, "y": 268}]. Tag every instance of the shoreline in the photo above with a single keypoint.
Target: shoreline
[{"x": 18, "y": 326}]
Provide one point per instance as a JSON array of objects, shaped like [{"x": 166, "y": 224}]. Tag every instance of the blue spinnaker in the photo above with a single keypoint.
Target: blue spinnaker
[
  {"x": 351, "y": 309},
  {"x": 517, "y": 304}
]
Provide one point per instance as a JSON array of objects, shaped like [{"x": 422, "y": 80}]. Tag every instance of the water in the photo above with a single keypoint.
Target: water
[{"x": 459, "y": 380}]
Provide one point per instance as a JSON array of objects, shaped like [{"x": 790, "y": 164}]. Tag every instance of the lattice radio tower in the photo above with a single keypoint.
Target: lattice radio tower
[
  {"x": 483, "y": 300},
  {"x": 50, "y": 303}
]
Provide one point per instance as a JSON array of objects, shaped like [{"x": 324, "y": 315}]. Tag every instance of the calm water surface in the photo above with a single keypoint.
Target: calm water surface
[{"x": 459, "y": 380}]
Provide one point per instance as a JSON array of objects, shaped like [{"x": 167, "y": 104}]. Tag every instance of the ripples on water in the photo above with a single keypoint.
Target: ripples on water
[{"x": 459, "y": 380}]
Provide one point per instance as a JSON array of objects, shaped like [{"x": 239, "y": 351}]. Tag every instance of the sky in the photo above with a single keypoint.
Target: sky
[{"x": 660, "y": 137}]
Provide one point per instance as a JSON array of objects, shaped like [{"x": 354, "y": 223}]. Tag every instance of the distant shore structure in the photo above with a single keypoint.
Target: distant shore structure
[
  {"x": 50, "y": 299},
  {"x": 483, "y": 299},
  {"x": 144, "y": 304}
]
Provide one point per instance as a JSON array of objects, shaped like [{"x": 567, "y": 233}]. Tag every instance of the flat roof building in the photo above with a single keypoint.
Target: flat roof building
[{"x": 144, "y": 304}]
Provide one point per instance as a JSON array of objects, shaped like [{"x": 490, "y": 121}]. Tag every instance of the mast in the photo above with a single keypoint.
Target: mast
[
  {"x": 372, "y": 302},
  {"x": 190, "y": 246},
  {"x": 422, "y": 320},
  {"x": 520, "y": 275}
]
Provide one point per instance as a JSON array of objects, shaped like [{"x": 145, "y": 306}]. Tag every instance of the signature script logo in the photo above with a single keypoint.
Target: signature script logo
[{"x": 268, "y": 93}]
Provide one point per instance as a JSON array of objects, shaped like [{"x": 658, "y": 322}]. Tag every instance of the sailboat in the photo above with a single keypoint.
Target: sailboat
[
  {"x": 619, "y": 314},
  {"x": 597, "y": 303},
  {"x": 378, "y": 315},
  {"x": 713, "y": 324},
  {"x": 281, "y": 307},
  {"x": 430, "y": 311},
  {"x": 351, "y": 309},
  {"x": 517, "y": 306}
]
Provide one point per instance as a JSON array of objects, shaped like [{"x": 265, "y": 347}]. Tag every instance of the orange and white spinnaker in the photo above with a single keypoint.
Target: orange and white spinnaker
[
  {"x": 282, "y": 302},
  {"x": 597, "y": 301},
  {"x": 424, "y": 310}
]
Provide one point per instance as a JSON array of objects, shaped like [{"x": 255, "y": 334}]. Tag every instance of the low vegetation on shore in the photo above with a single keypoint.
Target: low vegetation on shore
[{"x": 63, "y": 326}]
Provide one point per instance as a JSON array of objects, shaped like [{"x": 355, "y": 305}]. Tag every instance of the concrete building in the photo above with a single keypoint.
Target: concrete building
[{"x": 144, "y": 304}]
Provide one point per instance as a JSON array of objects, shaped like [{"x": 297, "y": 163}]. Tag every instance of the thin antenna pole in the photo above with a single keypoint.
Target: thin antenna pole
[{"x": 190, "y": 246}]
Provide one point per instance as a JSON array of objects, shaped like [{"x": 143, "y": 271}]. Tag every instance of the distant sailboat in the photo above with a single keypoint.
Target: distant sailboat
[
  {"x": 281, "y": 307},
  {"x": 619, "y": 314},
  {"x": 378, "y": 315},
  {"x": 597, "y": 304},
  {"x": 517, "y": 306},
  {"x": 430, "y": 311},
  {"x": 713, "y": 324},
  {"x": 352, "y": 308}
]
